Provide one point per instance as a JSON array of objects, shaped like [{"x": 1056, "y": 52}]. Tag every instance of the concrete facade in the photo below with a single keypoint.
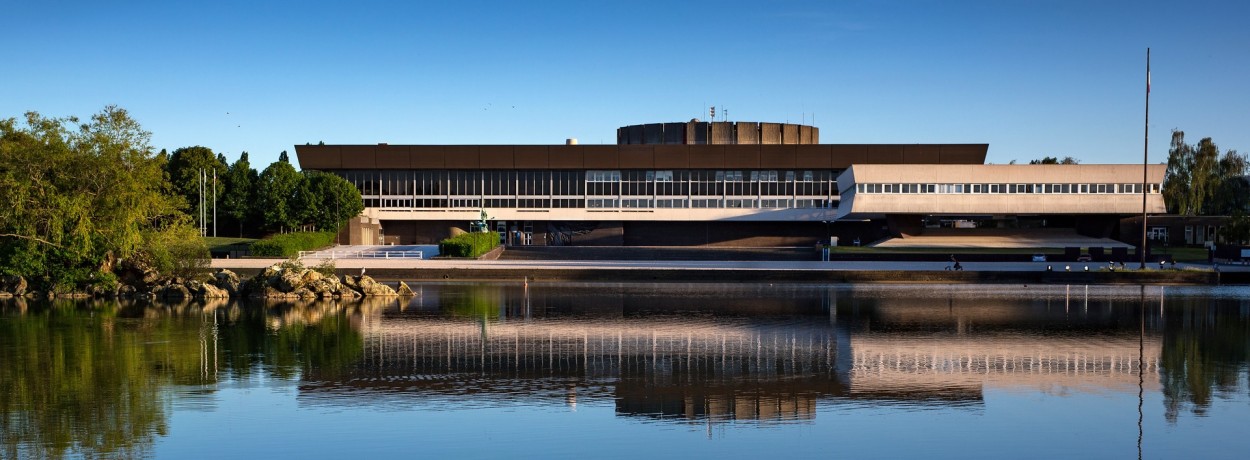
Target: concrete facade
[
  {"x": 715, "y": 184},
  {"x": 875, "y": 191}
]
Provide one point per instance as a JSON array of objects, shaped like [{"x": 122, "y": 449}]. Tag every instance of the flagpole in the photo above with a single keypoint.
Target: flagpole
[
  {"x": 214, "y": 202},
  {"x": 1145, "y": 184}
]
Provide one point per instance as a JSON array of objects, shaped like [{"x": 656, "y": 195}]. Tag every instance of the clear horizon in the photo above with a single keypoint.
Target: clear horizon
[{"x": 1031, "y": 79}]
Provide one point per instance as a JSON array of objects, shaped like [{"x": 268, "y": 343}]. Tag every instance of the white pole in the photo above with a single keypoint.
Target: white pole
[
  {"x": 200, "y": 210},
  {"x": 203, "y": 205},
  {"x": 214, "y": 203}
]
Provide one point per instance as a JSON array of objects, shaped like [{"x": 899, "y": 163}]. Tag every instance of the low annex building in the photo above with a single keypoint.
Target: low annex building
[{"x": 698, "y": 183}]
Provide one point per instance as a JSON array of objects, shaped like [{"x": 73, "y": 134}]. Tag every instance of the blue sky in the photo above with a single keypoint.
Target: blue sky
[{"x": 1030, "y": 78}]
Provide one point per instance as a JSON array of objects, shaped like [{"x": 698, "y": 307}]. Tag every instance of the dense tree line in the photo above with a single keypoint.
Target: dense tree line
[
  {"x": 277, "y": 199},
  {"x": 84, "y": 200},
  {"x": 1202, "y": 182}
]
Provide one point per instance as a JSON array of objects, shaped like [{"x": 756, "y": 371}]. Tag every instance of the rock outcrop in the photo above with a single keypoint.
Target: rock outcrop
[
  {"x": 227, "y": 281},
  {"x": 278, "y": 282},
  {"x": 13, "y": 286},
  {"x": 367, "y": 287},
  {"x": 171, "y": 291}
]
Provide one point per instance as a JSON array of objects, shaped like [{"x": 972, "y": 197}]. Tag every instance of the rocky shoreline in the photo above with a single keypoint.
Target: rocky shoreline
[{"x": 283, "y": 281}]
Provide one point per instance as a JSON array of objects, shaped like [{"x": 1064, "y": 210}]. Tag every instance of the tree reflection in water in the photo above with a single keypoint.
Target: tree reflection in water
[
  {"x": 1205, "y": 345},
  {"x": 96, "y": 378},
  {"x": 92, "y": 378}
]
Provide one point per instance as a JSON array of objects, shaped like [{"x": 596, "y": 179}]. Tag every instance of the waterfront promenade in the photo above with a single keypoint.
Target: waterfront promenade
[{"x": 837, "y": 271}]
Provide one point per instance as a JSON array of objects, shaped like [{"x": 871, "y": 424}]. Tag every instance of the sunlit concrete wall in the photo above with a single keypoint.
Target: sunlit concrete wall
[{"x": 866, "y": 205}]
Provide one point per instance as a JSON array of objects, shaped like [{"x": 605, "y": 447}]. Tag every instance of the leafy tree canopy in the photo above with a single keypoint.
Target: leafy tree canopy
[
  {"x": 238, "y": 198},
  {"x": 78, "y": 196},
  {"x": 184, "y": 167},
  {"x": 275, "y": 196},
  {"x": 1200, "y": 181},
  {"x": 1055, "y": 161},
  {"x": 335, "y": 200}
]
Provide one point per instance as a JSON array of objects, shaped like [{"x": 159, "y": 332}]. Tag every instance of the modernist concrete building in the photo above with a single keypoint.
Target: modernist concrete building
[
  {"x": 697, "y": 183},
  {"x": 1089, "y": 198}
]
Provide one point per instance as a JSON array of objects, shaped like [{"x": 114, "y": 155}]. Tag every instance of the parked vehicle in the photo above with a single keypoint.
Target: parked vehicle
[
  {"x": 1084, "y": 258},
  {"x": 1039, "y": 257}
]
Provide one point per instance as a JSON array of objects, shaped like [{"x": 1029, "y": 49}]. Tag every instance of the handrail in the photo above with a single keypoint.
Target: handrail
[{"x": 419, "y": 255}]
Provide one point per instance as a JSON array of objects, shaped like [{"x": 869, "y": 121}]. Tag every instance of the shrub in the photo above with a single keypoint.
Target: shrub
[
  {"x": 290, "y": 244},
  {"x": 176, "y": 250},
  {"x": 325, "y": 268},
  {"x": 470, "y": 245},
  {"x": 292, "y": 265}
]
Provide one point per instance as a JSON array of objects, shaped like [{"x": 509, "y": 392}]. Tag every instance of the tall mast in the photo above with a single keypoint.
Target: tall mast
[{"x": 1145, "y": 158}]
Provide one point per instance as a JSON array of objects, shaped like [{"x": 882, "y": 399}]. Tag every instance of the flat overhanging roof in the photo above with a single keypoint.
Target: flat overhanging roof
[{"x": 577, "y": 157}]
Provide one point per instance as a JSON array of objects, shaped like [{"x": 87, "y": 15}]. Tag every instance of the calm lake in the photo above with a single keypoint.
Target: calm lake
[{"x": 672, "y": 370}]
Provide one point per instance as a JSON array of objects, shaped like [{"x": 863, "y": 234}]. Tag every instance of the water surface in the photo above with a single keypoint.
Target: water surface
[{"x": 630, "y": 370}]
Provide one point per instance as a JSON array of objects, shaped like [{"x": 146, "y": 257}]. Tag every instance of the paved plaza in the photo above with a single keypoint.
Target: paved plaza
[{"x": 995, "y": 238}]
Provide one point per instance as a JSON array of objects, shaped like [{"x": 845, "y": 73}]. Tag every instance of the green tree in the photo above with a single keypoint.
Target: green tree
[
  {"x": 1055, "y": 161},
  {"x": 76, "y": 201},
  {"x": 275, "y": 196},
  {"x": 1176, "y": 182},
  {"x": 1231, "y": 194},
  {"x": 283, "y": 157},
  {"x": 1200, "y": 181},
  {"x": 335, "y": 200},
  {"x": 1203, "y": 175},
  {"x": 1237, "y": 230},
  {"x": 184, "y": 167},
  {"x": 237, "y": 200},
  {"x": 304, "y": 203}
]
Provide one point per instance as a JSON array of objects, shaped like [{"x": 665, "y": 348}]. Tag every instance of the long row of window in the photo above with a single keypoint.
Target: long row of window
[
  {"x": 771, "y": 175},
  {"x": 1004, "y": 188},
  {"x": 595, "y": 203},
  {"x": 621, "y": 188},
  {"x": 698, "y": 203}
]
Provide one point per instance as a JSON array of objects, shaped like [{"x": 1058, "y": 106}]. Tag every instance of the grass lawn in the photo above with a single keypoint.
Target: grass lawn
[
  {"x": 1183, "y": 254},
  {"x": 221, "y": 243}
]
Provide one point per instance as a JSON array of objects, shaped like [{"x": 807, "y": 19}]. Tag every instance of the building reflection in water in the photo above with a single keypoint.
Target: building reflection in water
[
  {"x": 103, "y": 378},
  {"x": 739, "y": 352}
]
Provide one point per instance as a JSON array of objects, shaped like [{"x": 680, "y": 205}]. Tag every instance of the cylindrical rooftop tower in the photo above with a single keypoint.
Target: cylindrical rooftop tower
[{"x": 718, "y": 132}]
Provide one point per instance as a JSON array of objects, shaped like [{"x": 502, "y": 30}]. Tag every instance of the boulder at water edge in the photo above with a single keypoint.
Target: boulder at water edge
[{"x": 367, "y": 287}]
